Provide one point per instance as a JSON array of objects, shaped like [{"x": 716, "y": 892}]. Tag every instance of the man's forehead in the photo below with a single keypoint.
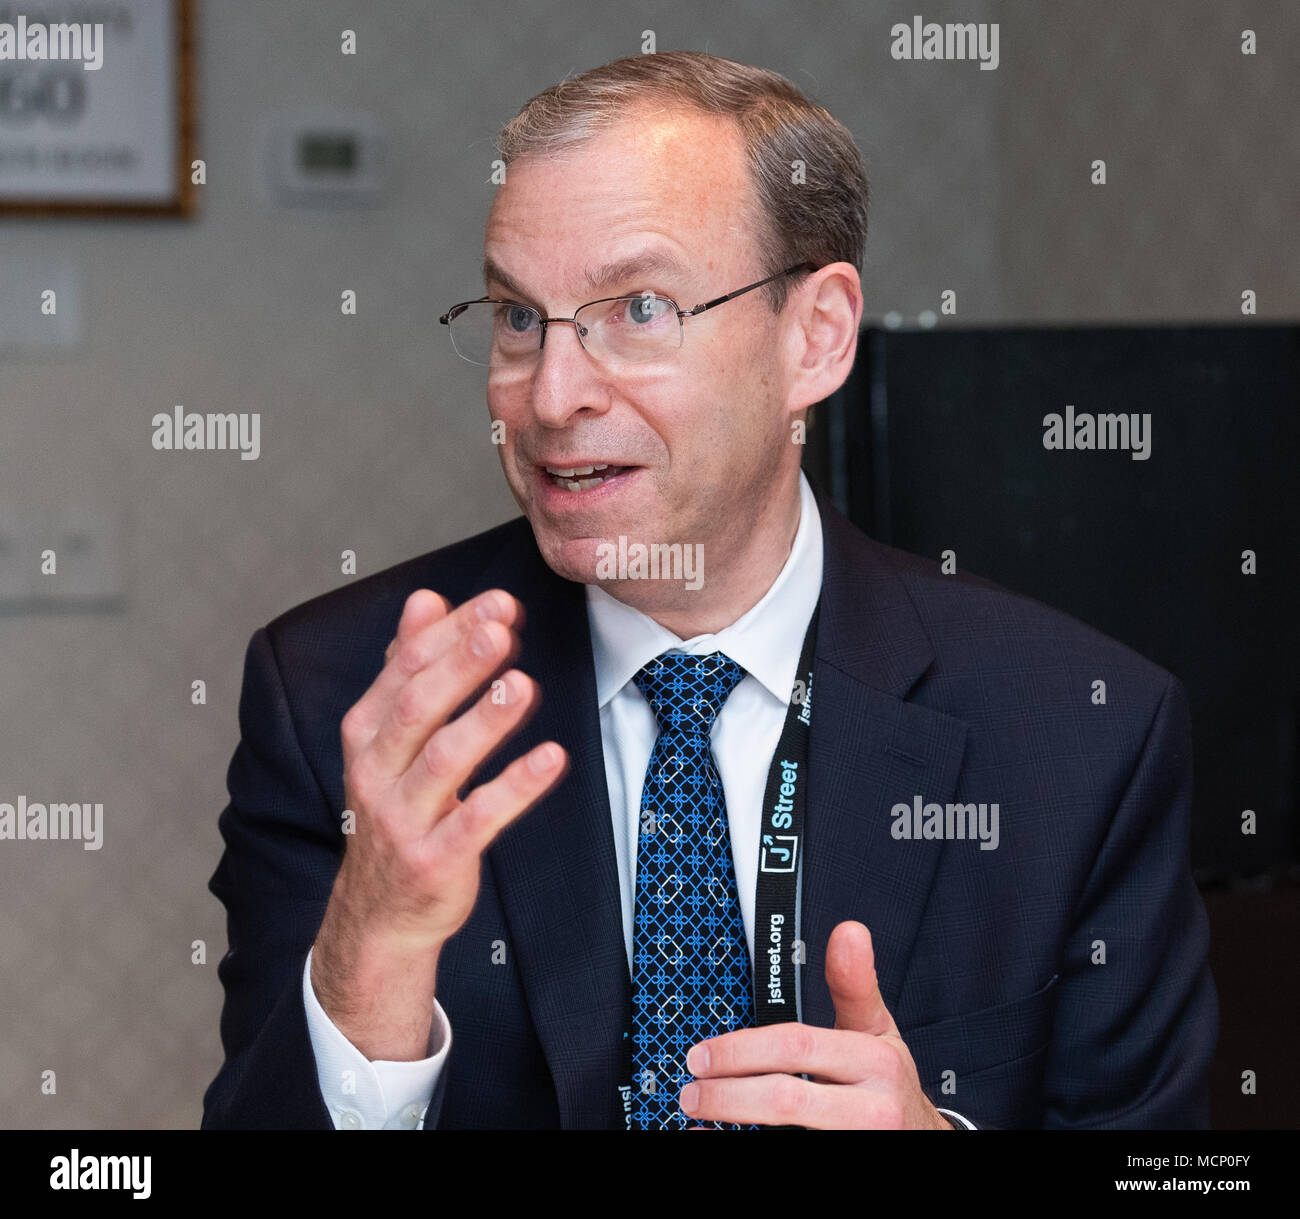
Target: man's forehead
[
  {"x": 665, "y": 148},
  {"x": 653, "y": 198}
]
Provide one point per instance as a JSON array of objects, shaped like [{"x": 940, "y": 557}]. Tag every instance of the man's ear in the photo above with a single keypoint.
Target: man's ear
[{"x": 822, "y": 333}]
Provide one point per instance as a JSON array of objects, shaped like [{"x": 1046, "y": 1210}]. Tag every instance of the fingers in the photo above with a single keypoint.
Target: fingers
[
  {"x": 834, "y": 1056},
  {"x": 852, "y": 981},
  {"x": 422, "y": 608},
  {"x": 457, "y": 749},
  {"x": 431, "y": 670},
  {"x": 784, "y": 1100},
  {"x": 468, "y": 830},
  {"x": 430, "y": 696}
]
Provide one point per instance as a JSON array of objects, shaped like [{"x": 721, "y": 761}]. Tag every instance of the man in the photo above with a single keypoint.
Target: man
[{"x": 990, "y": 919}]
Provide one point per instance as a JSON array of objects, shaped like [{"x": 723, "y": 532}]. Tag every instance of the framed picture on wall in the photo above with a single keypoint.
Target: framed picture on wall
[{"x": 96, "y": 107}]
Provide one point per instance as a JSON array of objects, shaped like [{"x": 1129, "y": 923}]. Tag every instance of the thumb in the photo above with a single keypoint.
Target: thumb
[{"x": 851, "y": 978}]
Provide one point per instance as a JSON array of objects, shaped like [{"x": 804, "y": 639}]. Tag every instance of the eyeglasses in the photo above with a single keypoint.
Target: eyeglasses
[{"x": 616, "y": 330}]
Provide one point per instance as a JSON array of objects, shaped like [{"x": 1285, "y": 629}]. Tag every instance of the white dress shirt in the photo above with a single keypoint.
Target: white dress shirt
[{"x": 765, "y": 641}]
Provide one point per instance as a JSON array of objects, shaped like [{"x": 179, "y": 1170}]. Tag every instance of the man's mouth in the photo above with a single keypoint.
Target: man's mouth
[{"x": 582, "y": 478}]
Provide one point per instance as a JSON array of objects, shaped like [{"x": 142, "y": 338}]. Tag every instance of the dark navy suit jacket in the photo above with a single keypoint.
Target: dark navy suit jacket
[{"x": 942, "y": 687}]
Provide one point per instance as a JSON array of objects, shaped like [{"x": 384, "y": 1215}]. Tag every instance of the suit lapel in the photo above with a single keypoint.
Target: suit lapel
[
  {"x": 868, "y": 750},
  {"x": 555, "y": 868}
]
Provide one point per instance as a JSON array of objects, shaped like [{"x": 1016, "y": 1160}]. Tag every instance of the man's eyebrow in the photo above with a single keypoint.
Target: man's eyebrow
[
  {"x": 646, "y": 262},
  {"x": 494, "y": 274}
]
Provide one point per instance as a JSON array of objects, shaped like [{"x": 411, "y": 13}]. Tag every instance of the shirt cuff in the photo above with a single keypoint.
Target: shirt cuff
[
  {"x": 959, "y": 1122},
  {"x": 361, "y": 1094}
]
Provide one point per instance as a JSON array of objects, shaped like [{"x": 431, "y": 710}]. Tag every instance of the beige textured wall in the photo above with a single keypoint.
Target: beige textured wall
[
  {"x": 374, "y": 436},
  {"x": 1202, "y": 152}
]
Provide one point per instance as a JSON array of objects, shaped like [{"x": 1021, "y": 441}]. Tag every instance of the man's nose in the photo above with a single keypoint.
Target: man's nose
[{"x": 566, "y": 379}]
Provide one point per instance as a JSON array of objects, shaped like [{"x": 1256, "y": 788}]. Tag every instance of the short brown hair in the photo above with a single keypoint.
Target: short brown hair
[{"x": 822, "y": 219}]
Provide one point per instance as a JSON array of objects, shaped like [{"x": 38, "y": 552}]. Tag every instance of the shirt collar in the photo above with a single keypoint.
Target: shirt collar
[{"x": 764, "y": 640}]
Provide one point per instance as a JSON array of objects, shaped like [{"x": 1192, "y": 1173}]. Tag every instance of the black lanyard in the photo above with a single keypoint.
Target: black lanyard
[{"x": 777, "y": 950}]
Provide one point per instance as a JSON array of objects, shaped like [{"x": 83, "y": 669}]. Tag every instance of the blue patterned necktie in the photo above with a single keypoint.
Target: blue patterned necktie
[{"x": 691, "y": 975}]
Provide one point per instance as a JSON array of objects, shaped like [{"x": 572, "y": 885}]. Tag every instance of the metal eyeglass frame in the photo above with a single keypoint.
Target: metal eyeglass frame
[{"x": 447, "y": 318}]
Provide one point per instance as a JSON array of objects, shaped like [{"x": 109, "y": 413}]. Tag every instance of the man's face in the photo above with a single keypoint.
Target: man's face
[{"x": 697, "y": 435}]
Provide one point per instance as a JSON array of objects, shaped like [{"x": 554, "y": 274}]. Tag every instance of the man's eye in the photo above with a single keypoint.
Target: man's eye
[
  {"x": 517, "y": 319},
  {"x": 646, "y": 308}
]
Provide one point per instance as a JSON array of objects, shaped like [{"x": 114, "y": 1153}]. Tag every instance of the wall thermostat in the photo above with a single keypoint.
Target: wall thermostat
[{"x": 325, "y": 158}]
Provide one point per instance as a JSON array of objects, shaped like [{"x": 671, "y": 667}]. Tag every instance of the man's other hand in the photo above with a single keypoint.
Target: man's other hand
[{"x": 863, "y": 1076}]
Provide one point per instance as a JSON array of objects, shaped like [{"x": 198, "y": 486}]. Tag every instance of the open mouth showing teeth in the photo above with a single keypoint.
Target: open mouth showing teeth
[{"x": 579, "y": 478}]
